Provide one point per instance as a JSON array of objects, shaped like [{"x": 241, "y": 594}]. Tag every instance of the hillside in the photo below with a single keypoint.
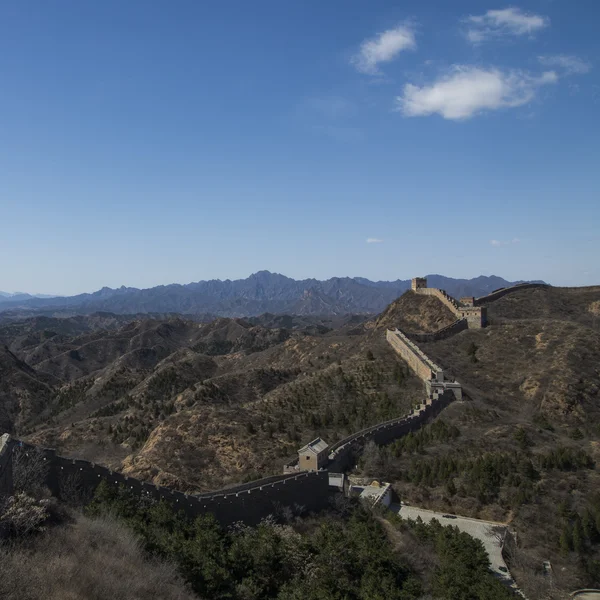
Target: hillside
[
  {"x": 127, "y": 548},
  {"x": 581, "y": 305},
  {"x": 200, "y": 406},
  {"x": 23, "y": 391},
  {"x": 197, "y": 405},
  {"x": 525, "y": 448},
  {"x": 415, "y": 313},
  {"x": 260, "y": 293},
  {"x": 86, "y": 558}
]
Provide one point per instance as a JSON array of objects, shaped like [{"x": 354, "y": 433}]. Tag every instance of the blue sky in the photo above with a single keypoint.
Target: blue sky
[{"x": 151, "y": 142}]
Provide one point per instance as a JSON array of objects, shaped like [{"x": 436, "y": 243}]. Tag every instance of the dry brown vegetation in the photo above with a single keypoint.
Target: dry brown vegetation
[
  {"x": 198, "y": 407},
  {"x": 551, "y": 303},
  {"x": 416, "y": 313},
  {"x": 89, "y": 559}
]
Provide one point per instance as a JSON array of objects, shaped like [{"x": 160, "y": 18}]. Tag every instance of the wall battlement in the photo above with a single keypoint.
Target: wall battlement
[
  {"x": 344, "y": 453},
  {"x": 249, "y": 503},
  {"x": 476, "y": 316},
  {"x": 441, "y": 334},
  {"x": 440, "y": 393},
  {"x": 417, "y": 360},
  {"x": 497, "y": 294},
  {"x": 432, "y": 375}
]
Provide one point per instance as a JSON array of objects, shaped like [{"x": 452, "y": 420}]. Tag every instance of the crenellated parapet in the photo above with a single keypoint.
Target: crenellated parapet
[
  {"x": 467, "y": 308},
  {"x": 497, "y": 294},
  {"x": 249, "y": 503},
  {"x": 441, "y": 334},
  {"x": 346, "y": 451},
  {"x": 416, "y": 359},
  {"x": 436, "y": 382}
]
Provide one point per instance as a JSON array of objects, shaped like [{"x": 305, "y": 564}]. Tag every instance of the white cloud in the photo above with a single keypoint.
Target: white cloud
[
  {"x": 571, "y": 65},
  {"x": 374, "y": 241},
  {"x": 504, "y": 22},
  {"x": 499, "y": 243},
  {"x": 384, "y": 47},
  {"x": 467, "y": 91}
]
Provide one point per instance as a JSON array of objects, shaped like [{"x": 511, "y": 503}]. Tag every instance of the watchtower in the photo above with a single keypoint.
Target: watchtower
[
  {"x": 313, "y": 456},
  {"x": 418, "y": 283}
]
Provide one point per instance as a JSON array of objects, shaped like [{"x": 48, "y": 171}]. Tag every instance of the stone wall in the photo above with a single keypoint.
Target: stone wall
[
  {"x": 244, "y": 486},
  {"x": 418, "y": 283},
  {"x": 448, "y": 331},
  {"x": 417, "y": 360},
  {"x": 249, "y": 503},
  {"x": 445, "y": 298},
  {"x": 509, "y": 290},
  {"x": 345, "y": 453},
  {"x": 475, "y": 316},
  {"x": 436, "y": 383}
]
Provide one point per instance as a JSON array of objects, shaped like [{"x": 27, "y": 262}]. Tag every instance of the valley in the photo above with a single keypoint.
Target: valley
[{"x": 201, "y": 406}]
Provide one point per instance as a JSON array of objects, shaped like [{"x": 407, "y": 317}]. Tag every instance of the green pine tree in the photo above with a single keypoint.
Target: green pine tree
[
  {"x": 566, "y": 539},
  {"x": 578, "y": 539},
  {"x": 451, "y": 487}
]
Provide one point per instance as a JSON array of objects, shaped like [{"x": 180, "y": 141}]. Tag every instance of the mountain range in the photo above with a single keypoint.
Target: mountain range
[
  {"x": 259, "y": 293},
  {"x": 20, "y": 296}
]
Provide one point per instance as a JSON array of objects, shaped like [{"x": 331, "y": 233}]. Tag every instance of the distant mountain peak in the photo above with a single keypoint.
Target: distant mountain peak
[
  {"x": 261, "y": 292},
  {"x": 24, "y": 295}
]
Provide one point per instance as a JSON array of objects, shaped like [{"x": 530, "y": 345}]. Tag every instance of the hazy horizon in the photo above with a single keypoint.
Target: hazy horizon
[{"x": 56, "y": 295}]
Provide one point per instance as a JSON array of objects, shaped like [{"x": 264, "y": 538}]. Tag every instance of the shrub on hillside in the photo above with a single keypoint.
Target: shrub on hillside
[
  {"x": 462, "y": 569},
  {"x": 324, "y": 559},
  {"x": 95, "y": 559},
  {"x": 30, "y": 469},
  {"x": 22, "y": 514}
]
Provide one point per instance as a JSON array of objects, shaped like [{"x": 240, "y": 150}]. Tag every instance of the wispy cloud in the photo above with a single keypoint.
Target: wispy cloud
[
  {"x": 332, "y": 107},
  {"x": 570, "y": 65},
  {"x": 499, "y": 243},
  {"x": 382, "y": 48},
  {"x": 500, "y": 23},
  {"x": 466, "y": 91},
  {"x": 331, "y": 116},
  {"x": 374, "y": 241}
]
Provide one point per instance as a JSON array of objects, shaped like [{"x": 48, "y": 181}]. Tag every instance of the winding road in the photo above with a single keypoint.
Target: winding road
[{"x": 476, "y": 528}]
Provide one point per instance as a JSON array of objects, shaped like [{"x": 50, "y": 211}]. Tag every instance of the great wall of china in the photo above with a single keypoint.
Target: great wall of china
[
  {"x": 497, "y": 294},
  {"x": 310, "y": 490}
]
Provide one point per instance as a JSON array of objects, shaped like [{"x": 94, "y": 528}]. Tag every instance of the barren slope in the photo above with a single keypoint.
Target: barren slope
[{"x": 416, "y": 313}]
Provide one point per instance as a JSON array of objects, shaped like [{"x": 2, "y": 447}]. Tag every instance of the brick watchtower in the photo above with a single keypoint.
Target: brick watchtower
[{"x": 418, "y": 283}]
